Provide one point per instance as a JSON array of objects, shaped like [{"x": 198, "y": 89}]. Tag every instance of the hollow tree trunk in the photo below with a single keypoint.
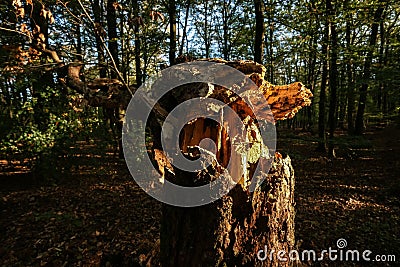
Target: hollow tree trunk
[{"x": 234, "y": 229}]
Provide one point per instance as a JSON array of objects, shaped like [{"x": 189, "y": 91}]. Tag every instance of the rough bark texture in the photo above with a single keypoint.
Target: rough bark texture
[{"x": 231, "y": 230}]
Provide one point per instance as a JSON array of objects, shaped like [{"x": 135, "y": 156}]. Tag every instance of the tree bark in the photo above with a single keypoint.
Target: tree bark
[
  {"x": 207, "y": 39},
  {"x": 225, "y": 29},
  {"x": 187, "y": 9},
  {"x": 333, "y": 73},
  {"x": 322, "y": 96},
  {"x": 270, "y": 39},
  {"x": 234, "y": 229},
  {"x": 359, "y": 125},
  {"x": 381, "y": 64},
  {"x": 99, "y": 32},
  {"x": 137, "y": 51},
  {"x": 350, "y": 77},
  {"x": 112, "y": 35},
  {"x": 172, "y": 31},
  {"x": 260, "y": 31}
]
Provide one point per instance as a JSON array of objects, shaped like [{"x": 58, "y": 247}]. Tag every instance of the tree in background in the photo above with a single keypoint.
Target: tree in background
[
  {"x": 359, "y": 125},
  {"x": 72, "y": 46},
  {"x": 260, "y": 31}
]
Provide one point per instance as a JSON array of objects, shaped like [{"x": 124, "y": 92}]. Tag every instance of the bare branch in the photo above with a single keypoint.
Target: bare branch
[
  {"x": 19, "y": 32},
  {"x": 106, "y": 48}
]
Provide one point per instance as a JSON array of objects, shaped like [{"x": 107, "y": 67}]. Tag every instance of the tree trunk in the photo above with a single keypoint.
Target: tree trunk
[
  {"x": 187, "y": 9},
  {"x": 270, "y": 40},
  {"x": 233, "y": 230},
  {"x": 333, "y": 73},
  {"x": 260, "y": 30},
  {"x": 225, "y": 29},
  {"x": 79, "y": 50},
  {"x": 359, "y": 126},
  {"x": 385, "y": 85},
  {"x": 350, "y": 78},
  {"x": 112, "y": 35},
  {"x": 114, "y": 114},
  {"x": 207, "y": 39},
  {"x": 322, "y": 95},
  {"x": 138, "y": 68},
  {"x": 381, "y": 65},
  {"x": 99, "y": 33},
  {"x": 172, "y": 31},
  {"x": 242, "y": 228}
]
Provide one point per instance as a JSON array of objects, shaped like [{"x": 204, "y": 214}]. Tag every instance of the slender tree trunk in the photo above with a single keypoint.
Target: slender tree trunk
[
  {"x": 112, "y": 35},
  {"x": 138, "y": 67},
  {"x": 124, "y": 58},
  {"x": 260, "y": 31},
  {"x": 99, "y": 32},
  {"x": 185, "y": 27},
  {"x": 384, "y": 89},
  {"x": 79, "y": 50},
  {"x": 270, "y": 41},
  {"x": 311, "y": 76},
  {"x": 359, "y": 126},
  {"x": 342, "y": 101},
  {"x": 172, "y": 31},
  {"x": 381, "y": 65},
  {"x": 333, "y": 73},
  {"x": 114, "y": 114},
  {"x": 207, "y": 41},
  {"x": 350, "y": 80},
  {"x": 322, "y": 96},
  {"x": 225, "y": 29}
]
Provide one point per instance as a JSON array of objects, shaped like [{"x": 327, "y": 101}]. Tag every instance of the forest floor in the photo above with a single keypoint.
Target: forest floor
[{"x": 93, "y": 213}]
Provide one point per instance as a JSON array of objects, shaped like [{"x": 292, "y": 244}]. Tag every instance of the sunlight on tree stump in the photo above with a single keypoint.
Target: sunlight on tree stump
[{"x": 231, "y": 230}]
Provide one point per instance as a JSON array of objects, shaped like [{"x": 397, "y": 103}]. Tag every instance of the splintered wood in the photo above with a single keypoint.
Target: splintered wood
[
  {"x": 232, "y": 230},
  {"x": 284, "y": 101},
  {"x": 280, "y": 102}
]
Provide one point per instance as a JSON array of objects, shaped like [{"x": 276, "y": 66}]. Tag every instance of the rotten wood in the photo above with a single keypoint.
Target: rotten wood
[{"x": 232, "y": 230}]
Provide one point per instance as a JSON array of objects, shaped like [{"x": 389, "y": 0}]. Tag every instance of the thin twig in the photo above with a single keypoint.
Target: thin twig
[
  {"x": 19, "y": 32},
  {"x": 69, "y": 11}
]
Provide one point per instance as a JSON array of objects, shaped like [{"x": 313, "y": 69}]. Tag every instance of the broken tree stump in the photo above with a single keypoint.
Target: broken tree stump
[{"x": 232, "y": 230}]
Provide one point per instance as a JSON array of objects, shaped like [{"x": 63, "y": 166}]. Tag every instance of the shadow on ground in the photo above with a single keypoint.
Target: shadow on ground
[{"x": 93, "y": 214}]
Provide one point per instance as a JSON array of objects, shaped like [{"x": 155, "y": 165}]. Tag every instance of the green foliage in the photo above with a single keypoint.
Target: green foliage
[{"x": 42, "y": 129}]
